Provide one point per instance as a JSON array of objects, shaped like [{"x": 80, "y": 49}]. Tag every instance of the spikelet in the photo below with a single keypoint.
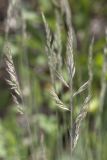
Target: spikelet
[
  {"x": 61, "y": 78},
  {"x": 81, "y": 89},
  {"x": 59, "y": 103},
  {"x": 76, "y": 126},
  {"x": 12, "y": 79},
  {"x": 69, "y": 54}
]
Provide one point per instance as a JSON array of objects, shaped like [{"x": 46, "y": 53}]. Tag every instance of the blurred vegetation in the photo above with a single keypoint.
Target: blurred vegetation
[{"x": 49, "y": 124}]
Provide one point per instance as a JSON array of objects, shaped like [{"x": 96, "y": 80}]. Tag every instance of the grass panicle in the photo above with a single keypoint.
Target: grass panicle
[
  {"x": 12, "y": 79},
  {"x": 75, "y": 122}
]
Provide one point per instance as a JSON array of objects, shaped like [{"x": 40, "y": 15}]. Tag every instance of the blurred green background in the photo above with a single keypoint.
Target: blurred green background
[{"x": 49, "y": 139}]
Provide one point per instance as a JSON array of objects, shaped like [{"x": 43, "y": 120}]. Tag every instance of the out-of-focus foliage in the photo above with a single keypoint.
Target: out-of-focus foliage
[{"x": 48, "y": 125}]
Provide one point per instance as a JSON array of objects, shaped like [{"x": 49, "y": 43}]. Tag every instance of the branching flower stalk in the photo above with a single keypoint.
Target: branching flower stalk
[
  {"x": 53, "y": 62},
  {"x": 53, "y": 47},
  {"x": 75, "y": 122}
]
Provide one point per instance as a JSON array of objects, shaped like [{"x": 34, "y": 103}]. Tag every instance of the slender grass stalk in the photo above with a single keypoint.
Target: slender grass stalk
[
  {"x": 103, "y": 78},
  {"x": 90, "y": 67},
  {"x": 102, "y": 98}
]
